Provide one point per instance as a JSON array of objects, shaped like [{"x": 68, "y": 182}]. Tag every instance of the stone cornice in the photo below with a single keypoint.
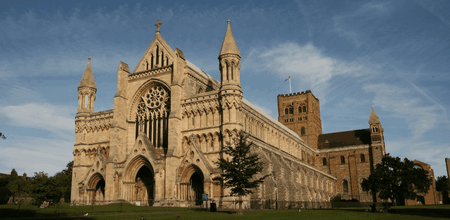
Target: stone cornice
[
  {"x": 345, "y": 148},
  {"x": 151, "y": 72}
]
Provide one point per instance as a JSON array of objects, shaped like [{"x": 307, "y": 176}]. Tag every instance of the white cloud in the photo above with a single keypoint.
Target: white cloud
[
  {"x": 421, "y": 114},
  {"x": 425, "y": 151},
  {"x": 29, "y": 154},
  {"x": 40, "y": 115},
  {"x": 307, "y": 66}
]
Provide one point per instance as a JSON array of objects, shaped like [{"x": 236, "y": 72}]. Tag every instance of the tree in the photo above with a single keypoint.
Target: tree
[
  {"x": 15, "y": 184},
  {"x": 443, "y": 185},
  {"x": 397, "y": 180},
  {"x": 63, "y": 182},
  {"x": 238, "y": 173},
  {"x": 42, "y": 188}
]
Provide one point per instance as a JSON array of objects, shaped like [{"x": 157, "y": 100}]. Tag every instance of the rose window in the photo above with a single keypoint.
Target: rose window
[{"x": 155, "y": 97}]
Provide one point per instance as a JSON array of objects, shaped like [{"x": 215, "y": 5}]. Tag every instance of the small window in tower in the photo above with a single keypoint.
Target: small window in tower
[
  {"x": 304, "y": 109},
  {"x": 167, "y": 61},
  {"x": 193, "y": 121},
  {"x": 291, "y": 110},
  {"x": 200, "y": 90},
  {"x": 345, "y": 186},
  {"x": 300, "y": 109},
  {"x": 86, "y": 100},
  {"x": 302, "y": 131},
  {"x": 286, "y": 111},
  {"x": 151, "y": 62},
  {"x": 342, "y": 160},
  {"x": 324, "y": 161},
  {"x": 305, "y": 118},
  {"x": 363, "y": 158}
]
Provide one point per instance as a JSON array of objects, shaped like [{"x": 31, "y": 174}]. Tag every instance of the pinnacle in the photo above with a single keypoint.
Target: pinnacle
[
  {"x": 229, "y": 43},
  {"x": 374, "y": 117},
  {"x": 88, "y": 77}
]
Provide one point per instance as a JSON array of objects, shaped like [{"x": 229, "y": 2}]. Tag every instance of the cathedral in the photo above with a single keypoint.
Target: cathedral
[{"x": 159, "y": 144}]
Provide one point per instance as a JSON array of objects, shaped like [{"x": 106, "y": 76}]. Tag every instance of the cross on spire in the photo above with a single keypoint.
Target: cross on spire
[{"x": 157, "y": 25}]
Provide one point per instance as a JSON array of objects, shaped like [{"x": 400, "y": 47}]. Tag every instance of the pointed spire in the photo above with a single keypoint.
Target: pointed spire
[
  {"x": 229, "y": 44},
  {"x": 374, "y": 117},
  {"x": 88, "y": 77}
]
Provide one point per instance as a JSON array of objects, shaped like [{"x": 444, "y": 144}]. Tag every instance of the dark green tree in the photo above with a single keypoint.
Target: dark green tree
[
  {"x": 15, "y": 184},
  {"x": 63, "y": 182},
  {"x": 443, "y": 185},
  {"x": 238, "y": 173},
  {"x": 42, "y": 188},
  {"x": 5, "y": 193},
  {"x": 397, "y": 180}
]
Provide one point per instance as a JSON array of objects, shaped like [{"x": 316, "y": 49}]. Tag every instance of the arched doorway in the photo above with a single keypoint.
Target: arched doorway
[
  {"x": 96, "y": 189},
  {"x": 139, "y": 182},
  {"x": 144, "y": 186},
  {"x": 192, "y": 185}
]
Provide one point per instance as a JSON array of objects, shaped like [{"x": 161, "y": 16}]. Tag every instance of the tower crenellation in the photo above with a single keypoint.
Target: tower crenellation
[{"x": 300, "y": 112}]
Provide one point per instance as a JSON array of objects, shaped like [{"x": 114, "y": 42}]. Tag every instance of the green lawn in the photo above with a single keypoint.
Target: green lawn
[{"x": 134, "y": 212}]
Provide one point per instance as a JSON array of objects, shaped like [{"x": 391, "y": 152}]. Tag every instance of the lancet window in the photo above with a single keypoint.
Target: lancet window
[{"x": 153, "y": 114}]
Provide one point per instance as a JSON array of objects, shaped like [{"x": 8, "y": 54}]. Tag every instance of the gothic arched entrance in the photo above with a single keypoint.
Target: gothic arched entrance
[
  {"x": 96, "y": 191},
  {"x": 192, "y": 185},
  {"x": 139, "y": 182}
]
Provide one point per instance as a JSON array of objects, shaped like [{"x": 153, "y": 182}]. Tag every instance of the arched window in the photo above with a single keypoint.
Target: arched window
[
  {"x": 324, "y": 161},
  {"x": 162, "y": 58},
  {"x": 146, "y": 65},
  {"x": 193, "y": 121},
  {"x": 304, "y": 108},
  {"x": 363, "y": 158},
  {"x": 345, "y": 186},
  {"x": 303, "y": 131},
  {"x": 291, "y": 110},
  {"x": 232, "y": 67},
  {"x": 228, "y": 67},
  {"x": 167, "y": 61},
  {"x": 299, "y": 109},
  {"x": 342, "y": 160},
  {"x": 86, "y": 100},
  {"x": 286, "y": 111},
  {"x": 200, "y": 90},
  {"x": 151, "y": 62},
  {"x": 157, "y": 55}
]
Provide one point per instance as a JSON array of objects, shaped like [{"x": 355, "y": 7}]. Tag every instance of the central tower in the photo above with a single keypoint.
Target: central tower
[{"x": 300, "y": 112}]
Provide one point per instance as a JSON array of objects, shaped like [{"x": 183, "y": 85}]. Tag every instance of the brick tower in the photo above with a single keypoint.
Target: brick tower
[{"x": 300, "y": 112}]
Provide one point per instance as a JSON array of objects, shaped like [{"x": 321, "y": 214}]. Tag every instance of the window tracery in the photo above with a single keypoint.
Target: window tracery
[{"x": 152, "y": 115}]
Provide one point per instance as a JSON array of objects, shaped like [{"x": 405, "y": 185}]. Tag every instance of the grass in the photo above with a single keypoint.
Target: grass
[{"x": 126, "y": 211}]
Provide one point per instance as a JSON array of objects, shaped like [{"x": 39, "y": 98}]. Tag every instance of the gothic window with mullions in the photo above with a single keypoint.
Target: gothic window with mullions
[{"x": 153, "y": 114}]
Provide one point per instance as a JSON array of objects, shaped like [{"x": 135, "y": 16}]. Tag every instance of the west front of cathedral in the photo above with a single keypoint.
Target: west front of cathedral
[{"x": 159, "y": 144}]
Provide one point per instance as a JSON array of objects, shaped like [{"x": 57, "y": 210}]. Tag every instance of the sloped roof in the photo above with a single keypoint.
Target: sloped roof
[
  {"x": 343, "y": 139},
  {"x": 270, "y": 118}
]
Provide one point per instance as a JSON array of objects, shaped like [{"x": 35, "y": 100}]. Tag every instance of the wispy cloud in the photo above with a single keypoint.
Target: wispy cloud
[
  {"x": 307, "y": 65},
  {"x": 40, "y": 115},
  {"x": 421, "y": 114}
]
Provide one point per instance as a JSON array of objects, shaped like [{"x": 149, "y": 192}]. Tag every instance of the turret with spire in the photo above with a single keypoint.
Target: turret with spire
[
  {"x": 377, "y": 137},
  {"x": 229, "y": 63},
  {"x": 87, "y": 91}
]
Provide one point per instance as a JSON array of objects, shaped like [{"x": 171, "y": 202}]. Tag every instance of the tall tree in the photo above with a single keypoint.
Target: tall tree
[
  {"x": 397, "y": 180},
  {"x": 238, "y": 173},
  {"x": 63, "y": 182},
  {"x": 15, "y": 184},
  {"x": 443, "y": 185}
]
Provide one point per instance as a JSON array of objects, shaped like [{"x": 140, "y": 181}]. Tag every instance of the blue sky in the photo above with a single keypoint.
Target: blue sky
[{"x": 392, "y": 55}]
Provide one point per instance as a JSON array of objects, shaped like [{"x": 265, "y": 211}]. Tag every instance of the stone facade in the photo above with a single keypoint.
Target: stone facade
[
  {"x": 170, "y": 120},
  {"x": 350, "y": 156}
]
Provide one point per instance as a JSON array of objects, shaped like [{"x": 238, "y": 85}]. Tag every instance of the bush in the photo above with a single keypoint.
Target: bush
[{"x": 5, "y": 193}]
